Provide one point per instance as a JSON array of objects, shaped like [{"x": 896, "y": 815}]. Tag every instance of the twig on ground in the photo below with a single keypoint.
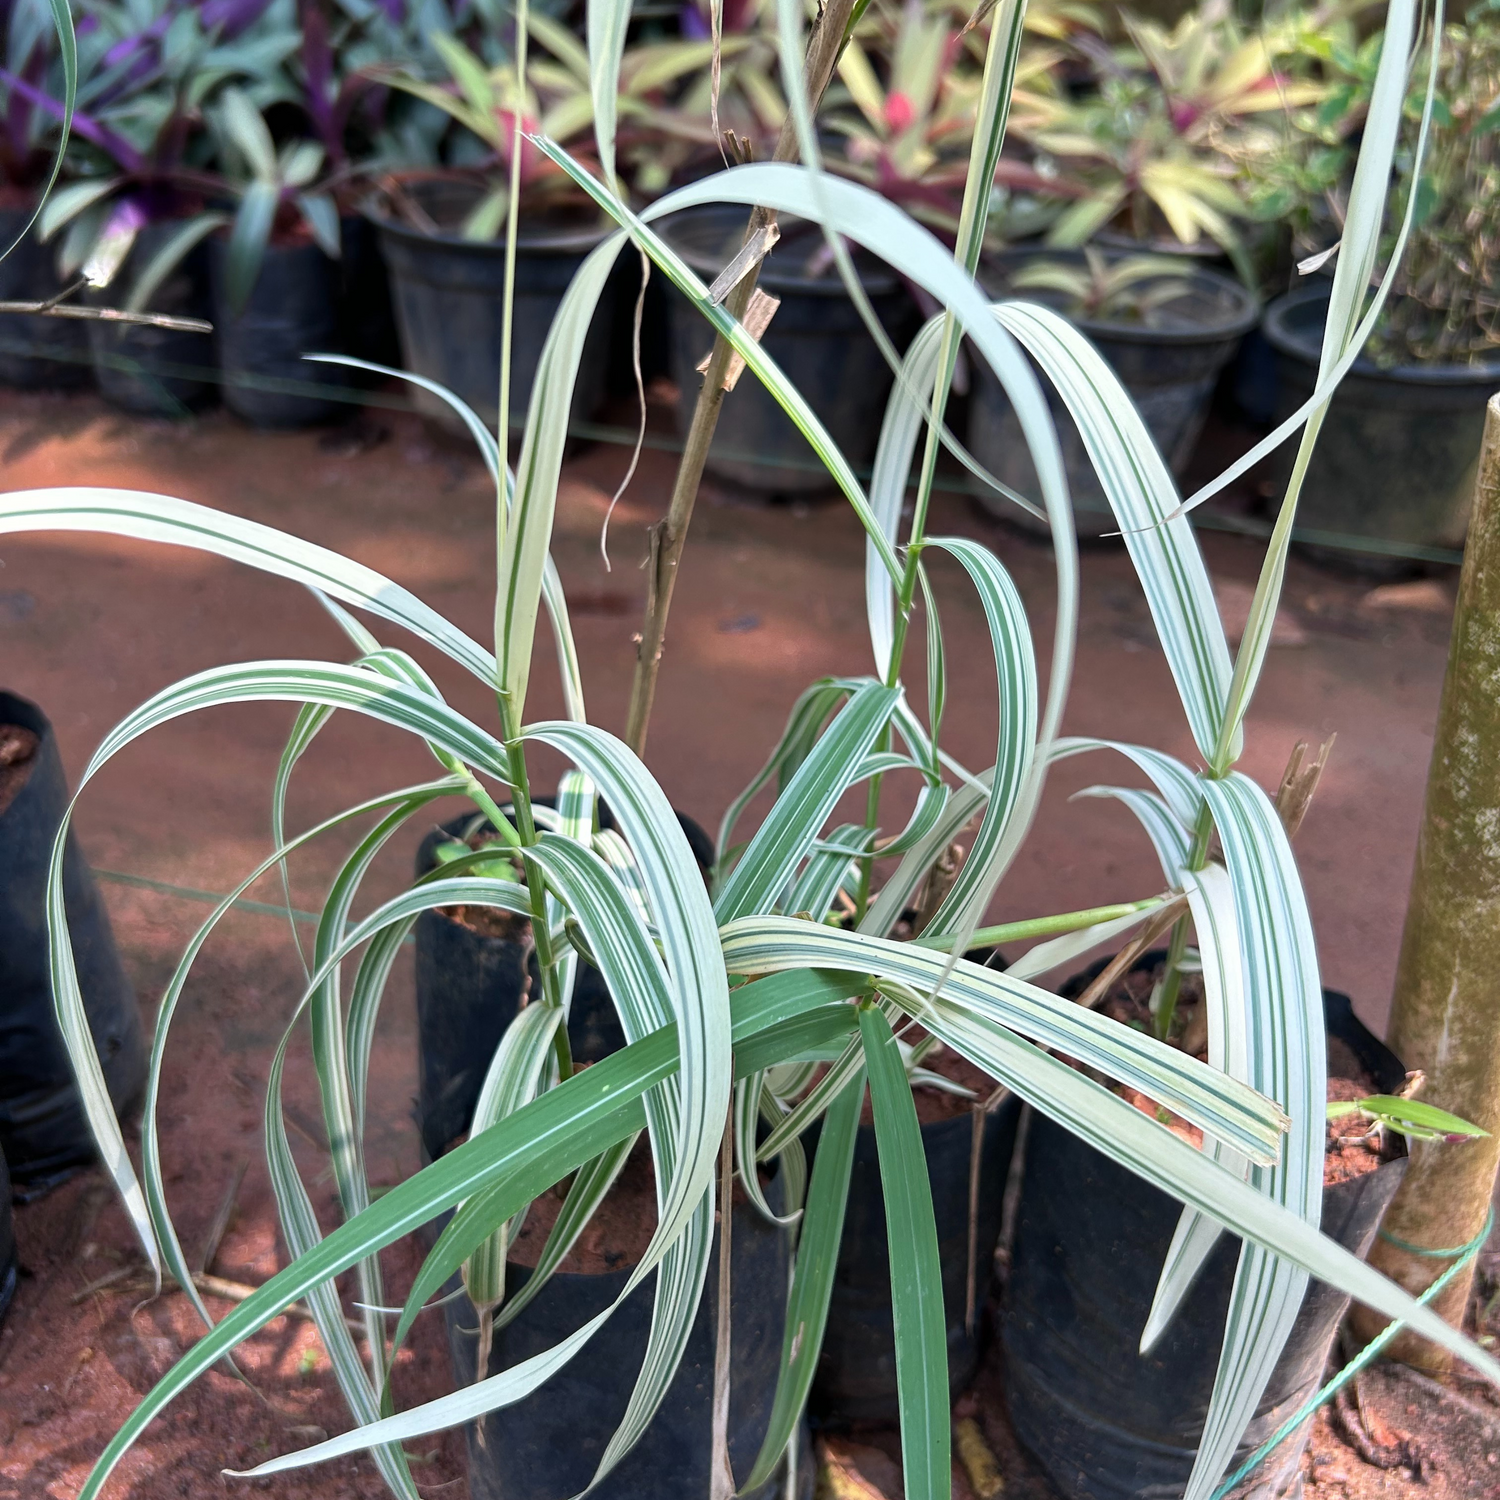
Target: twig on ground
[{"x": 220, "y": 1223}]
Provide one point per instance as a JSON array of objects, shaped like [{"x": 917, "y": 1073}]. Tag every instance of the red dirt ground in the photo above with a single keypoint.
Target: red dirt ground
[{"x": 770, "y": 598}]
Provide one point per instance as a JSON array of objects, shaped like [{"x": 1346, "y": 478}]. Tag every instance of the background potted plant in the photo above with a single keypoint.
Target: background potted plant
[
  {"x": 274, "y": 277},
  {"x": 1397, "y": 459},
  {"x": 442, "y": 232},
  {"x": 900, "y": 119},
  {"x": 33, "y": 351},
  {"x": 1167, "y": 325},
  {"x": 667, "y": 948},
  {"x": 142, "y": 198},
  {"x": 1146, "y": 149}
]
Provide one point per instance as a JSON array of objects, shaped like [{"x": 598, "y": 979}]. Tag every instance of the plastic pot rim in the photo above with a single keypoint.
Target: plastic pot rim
[
  {"x": 534, "y": 236},
  {"x": 1224, "y": 331},
  {"x": 877, "y": 283},
  {"x": 1306, "y": 349}
]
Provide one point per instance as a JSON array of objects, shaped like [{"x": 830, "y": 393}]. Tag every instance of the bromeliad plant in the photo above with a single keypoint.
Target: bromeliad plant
[
  {"x": 1155, "y": 148},
  {"x": 716, "y": 991}
]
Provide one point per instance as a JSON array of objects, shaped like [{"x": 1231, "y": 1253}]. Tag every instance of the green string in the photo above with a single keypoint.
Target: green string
[{"x": 1369, "y": 1353}]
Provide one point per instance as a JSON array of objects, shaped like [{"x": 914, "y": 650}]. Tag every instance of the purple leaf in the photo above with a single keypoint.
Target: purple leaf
[{"x": 124, "y": 154}]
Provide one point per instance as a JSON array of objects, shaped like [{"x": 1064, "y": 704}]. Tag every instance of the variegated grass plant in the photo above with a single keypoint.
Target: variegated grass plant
[{"x": 725, "y": 997}]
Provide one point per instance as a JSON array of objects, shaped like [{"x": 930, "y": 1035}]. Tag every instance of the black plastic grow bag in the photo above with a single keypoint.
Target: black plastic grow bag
[
  {"x": 43, "y": 1132},
  {"x": 292, "y": 310},
  {"x": 547, "y": 1446},
  {"x": 1091, "y": 1237}
]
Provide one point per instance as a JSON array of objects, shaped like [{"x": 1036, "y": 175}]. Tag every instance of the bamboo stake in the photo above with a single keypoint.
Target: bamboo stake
[
  {"x": 668, "y": 537},
  {"x": 1445, "y": 1018}
]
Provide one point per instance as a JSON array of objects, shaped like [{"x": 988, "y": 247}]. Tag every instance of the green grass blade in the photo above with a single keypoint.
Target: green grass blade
[
  {"x": 916, "y": 1273},
  {"x": 793, "y": 823},
  {"x": 812, "y": 1280}
]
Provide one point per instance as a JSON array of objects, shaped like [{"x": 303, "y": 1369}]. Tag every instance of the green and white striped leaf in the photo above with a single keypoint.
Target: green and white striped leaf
[
  {"x": 589, "y": 1189},
  {"x": 784, "y": 839},
  {"x": 804, "y": 724},
  {"x": 180, "y": 523},
  {"x": 525, "y": 558},
  {"x": 568, "y": 667},
  {"x": 607, "y": 22},
  {"x": 1211, "y": 899},
  {"x": 1286, "y": 1060},
  {"x": 1141, "y": 492},
  {"x": 573, "y": 1123},
  {"x": 1223, "y": 1107},
  {"x": 896, "y": 894},
  {"x": 823, "y": 874},
  {"x": 1345, "y": 333},
  {"x": 517, "y": 1073},
  {"x": 921, "y": 1329},
  {"x": 316, "y": 682},
  {"x": 812, "y": 1279},
  {"x": 1015, "y": 749}
]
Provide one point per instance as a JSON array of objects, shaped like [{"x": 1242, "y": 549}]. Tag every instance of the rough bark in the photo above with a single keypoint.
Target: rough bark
[{"x": 1445, "y": 1017}]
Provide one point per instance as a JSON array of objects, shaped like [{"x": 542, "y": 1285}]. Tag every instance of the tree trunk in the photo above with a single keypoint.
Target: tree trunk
[{"x": 1445, "y": 1017}]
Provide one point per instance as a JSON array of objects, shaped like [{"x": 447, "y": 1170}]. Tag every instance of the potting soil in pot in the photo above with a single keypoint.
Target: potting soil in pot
[
  {"x": 1106, "y": 1422},
  {"x": 547, "y": 1446}
]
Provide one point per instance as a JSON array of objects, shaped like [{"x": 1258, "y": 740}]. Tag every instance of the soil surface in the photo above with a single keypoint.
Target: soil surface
[
  {"x": 1347, "y": 1152},
  {"x": 769, "y": 598},
  {"x": 17, "y": 756},
  {"x": 617, "y": 1235}
]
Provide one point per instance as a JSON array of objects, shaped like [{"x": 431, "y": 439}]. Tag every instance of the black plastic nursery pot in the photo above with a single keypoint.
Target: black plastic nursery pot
[
  {"x": 816, "y": 337},
  {"x": 470, "y": 985},
  {"x": 449, "y": 299},
  {"x": 856, "y": 1374},
  {"x": 1105, "y": 1422},
  {"x": 1398, "y": 451},
  {"x": 157, "y": 372},
  {"x": 547, "y": 1446},
  {"x": 1169, "y": 367},
  {"x": 292, "y": 310},
  {"x": 8, "y": 1269},
  {"x": 366, "y": 318},
  {"x": 36, "y": 352},
  {"x": 43, "y": 1132}
]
